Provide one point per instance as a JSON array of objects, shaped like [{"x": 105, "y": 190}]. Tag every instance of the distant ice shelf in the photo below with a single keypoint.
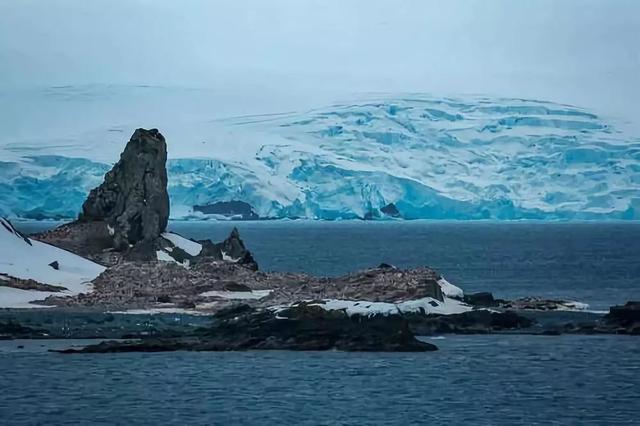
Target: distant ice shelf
[{"x": 377, "y": 157}]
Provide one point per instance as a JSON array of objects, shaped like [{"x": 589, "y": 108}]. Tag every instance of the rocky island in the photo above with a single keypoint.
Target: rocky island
[{"x": 118, "y": 257}]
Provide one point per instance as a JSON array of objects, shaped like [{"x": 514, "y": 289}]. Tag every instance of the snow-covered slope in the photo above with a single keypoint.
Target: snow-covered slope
[
  {"x": 25, "y": 258},
  {"x": 463, "y": 158}
]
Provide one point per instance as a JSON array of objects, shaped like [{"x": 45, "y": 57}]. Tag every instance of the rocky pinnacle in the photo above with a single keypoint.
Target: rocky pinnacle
[{"x": 133, "y": 199}]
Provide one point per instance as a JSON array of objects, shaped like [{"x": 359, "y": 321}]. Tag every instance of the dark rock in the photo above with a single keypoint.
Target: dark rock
[
  {"x": 209, "y": 250},
  {"x": 471, "y": 322},
  {"x": 248, "y": 261},
  {"x": 143, "y": 251},
  {"x": 234, "y": 286},
  {"x": 232, "y": 208},
  {"x": 234, "y": 248},
  {"x": 133, "y": 198},
  {"x": 386, "y": 266},
  {"x": 55, "y": 265},
  {"x": 163, "y": 298},
  {"x": 301, "y": 327},
  {"x": 390, "y": 210},
  {"x": 625, "y": 318},
  {"x": 537, "y": 304},
  {"x": 8, "y": 226},
  {"x": 28, "y": 284},
  {"x": 484, "y": 299},
  {"x": 88, "y": 239},
  {"x": 13, "y": 330}
]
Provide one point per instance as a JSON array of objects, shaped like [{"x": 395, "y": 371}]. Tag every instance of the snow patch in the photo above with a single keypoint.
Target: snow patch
[
  {"x": 15, "y": 298},
  {"x": 228, "y": 258},
  {"x": 25, "y": 258},
  {"x": 191, "y": 247},
  {"x": 572, "y": 305},
  {"x": 163, "y": 256},
  {"x": 449, "y": 289}
]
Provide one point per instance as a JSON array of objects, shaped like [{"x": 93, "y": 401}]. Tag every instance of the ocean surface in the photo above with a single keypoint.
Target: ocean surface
[
  {"x": 498, "y": 380},
  {"x": 470, "y": 380}
]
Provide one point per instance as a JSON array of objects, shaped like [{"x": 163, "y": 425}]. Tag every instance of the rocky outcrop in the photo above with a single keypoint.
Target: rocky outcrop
[
  {"x": 540, "y": 304},
  {"x": 133, "y": 201},
  {"x": 482, "y": 299},
  {"x": 138, "y": 284},
  {"x": 301, "y": 328},
  {"x": 624, "y": 319},
  {"x": 472, "y": 322},
  {"x": 233, "y": 248},
  {"x": 28, "y": 284},
  {"x": 89, "y": 239},
  {"x": 232, "y": 209},
  {"x": 12, "y": 330},
  {"x": 391, "y": 210}
]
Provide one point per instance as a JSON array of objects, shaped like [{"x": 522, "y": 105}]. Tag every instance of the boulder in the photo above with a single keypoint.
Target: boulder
[
  {"x": 391, "y": 210},
  {"x": 133, "y": 199},
  {"x": 483, "y": 299}
]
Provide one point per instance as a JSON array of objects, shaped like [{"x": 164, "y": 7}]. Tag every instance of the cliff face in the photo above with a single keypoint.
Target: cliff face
[{"x": 133, "y": 199}]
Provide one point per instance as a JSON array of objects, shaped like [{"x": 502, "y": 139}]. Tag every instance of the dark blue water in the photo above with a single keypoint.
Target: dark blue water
[
  {"x": 471, "y": 380},
  {"x": 501, "y": 380}
]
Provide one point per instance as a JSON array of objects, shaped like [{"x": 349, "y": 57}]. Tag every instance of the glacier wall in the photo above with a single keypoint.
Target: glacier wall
[{"x": 438, "y": 158}]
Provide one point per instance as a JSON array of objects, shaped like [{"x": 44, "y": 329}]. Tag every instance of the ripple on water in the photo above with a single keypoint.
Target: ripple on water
[{"x": 472, "y": 379}]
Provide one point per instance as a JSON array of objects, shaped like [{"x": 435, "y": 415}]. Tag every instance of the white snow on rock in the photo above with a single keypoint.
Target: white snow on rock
[
  {"x": 237, "y": 295},
  {"x": 19, "y": 299},
  {"x": 449, "y": 289},
  {"x": 164, "y": 256},
  {"x": 25, "y": 258},
  {"x": 228, "y": 258},
  {"x": 426, "y": 305},
  {"x": 575, "y": 306},
  {"x": 191, "y": 247}
]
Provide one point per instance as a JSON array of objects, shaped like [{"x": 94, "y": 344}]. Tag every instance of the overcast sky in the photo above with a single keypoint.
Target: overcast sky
[{"x": 585, "y": 52}]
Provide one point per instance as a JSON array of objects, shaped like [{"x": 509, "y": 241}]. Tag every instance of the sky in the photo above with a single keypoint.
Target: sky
[{"x": 582, "y": 52}]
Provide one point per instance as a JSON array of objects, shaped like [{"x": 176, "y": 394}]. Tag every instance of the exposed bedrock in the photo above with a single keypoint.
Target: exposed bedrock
[
  {"x": 133, "y": 199},
  {"x": 232, "y": 209},
  {"x": 624, "y": 319},
  {"x": 303, "y": 327}
]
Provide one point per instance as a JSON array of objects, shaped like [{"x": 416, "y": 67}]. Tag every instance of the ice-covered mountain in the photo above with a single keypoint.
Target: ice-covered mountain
[{"x": 411, "y": 156}]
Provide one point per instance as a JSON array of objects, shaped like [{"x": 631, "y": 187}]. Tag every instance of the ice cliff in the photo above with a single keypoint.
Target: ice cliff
[{"x": 408, "y": 156}]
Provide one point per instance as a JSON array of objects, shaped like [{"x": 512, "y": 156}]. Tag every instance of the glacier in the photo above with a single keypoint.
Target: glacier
[{"x": 467, "y": 157}]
